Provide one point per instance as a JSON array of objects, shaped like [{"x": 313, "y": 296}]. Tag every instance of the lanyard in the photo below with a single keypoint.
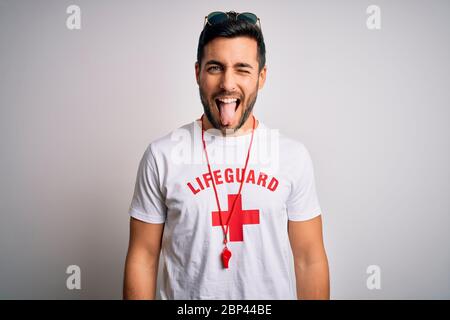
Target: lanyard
[{"x": 226, "y": 253}]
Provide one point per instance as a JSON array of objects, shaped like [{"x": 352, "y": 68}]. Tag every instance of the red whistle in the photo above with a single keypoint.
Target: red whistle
[{"x": 226, "y": 255}]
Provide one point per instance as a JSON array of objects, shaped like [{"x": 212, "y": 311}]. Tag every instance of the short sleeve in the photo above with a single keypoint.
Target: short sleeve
[
  {"x": 148, "y": 202},
  {"x": 303, "y": 203}
]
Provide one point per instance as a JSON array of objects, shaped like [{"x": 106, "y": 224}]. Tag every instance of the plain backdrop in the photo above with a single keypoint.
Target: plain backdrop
[{"x": 79, "y": 107}]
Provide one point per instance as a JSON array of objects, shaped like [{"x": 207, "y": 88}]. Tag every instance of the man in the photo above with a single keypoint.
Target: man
[{"x": 226, "y": 228}]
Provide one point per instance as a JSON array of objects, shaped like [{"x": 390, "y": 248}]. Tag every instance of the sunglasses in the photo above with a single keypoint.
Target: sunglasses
[{"x": 217, "y": 17}]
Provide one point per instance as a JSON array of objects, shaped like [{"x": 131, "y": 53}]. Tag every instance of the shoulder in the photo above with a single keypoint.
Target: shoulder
[
  {"x": 286, "y": 153},
  {"x": 290, "y": 147},
  {"x": 163, "y": 145}
]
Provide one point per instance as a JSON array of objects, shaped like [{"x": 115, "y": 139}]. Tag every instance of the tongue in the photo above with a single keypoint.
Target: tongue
[{"x": 227, "y": 111}]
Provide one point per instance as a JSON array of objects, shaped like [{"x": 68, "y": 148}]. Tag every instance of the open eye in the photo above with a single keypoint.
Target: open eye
[{"x": 214, "y": 68}]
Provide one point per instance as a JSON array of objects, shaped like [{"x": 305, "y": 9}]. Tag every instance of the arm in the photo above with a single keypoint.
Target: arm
[
  {"x": 310, "y": 260},
  {"x": 141, "y": 266}
]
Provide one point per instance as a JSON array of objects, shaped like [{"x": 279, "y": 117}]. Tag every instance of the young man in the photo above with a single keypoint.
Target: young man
[{"x": 227, "y": 213}]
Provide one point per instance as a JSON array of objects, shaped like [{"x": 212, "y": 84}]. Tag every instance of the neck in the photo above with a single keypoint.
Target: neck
[{"x": 245, "y": 129}]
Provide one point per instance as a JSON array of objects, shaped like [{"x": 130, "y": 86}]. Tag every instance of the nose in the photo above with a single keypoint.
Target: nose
[{"x": 228, "y": 82}]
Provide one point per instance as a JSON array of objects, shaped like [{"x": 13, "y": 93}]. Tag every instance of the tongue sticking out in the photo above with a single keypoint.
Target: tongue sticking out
[{"x": 227, "y": 112}]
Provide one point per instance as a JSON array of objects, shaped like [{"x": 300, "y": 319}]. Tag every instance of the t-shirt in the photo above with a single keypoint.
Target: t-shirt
[{"x": 173, "y": 186}]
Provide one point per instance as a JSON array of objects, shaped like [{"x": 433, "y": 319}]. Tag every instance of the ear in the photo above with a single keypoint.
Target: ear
[
  {"x": 197, "y": 73},
  {"x": 262, "y": 77}
]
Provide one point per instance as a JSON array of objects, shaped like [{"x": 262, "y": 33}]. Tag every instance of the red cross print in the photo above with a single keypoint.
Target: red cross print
[{"x": 238, "y": 218}]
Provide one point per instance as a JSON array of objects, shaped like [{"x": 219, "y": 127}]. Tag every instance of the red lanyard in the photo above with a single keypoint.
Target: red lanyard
[{"x": 226, "y": 253}]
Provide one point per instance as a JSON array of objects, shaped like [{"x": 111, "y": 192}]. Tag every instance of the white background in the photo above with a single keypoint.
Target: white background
[{"x": 79, "y": 107}]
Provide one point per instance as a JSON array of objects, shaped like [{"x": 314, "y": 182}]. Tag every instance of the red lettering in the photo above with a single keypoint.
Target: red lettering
[
  {"x": 217, "y": 177},
  {"x": 207, "y": 177},
  {"x": 194, "y": 191},
  {"x": 229, "y": 175},
  {"x": 262, "y": 179},
  {"x": 199, "y": 183},
  {"x": 273, "y": 184},
  {"x": 239, "y": 179},
  {"x": 251, "y": 177}
]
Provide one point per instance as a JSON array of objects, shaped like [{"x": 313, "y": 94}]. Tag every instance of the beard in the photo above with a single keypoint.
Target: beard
[{"x": 247, "y": 107}]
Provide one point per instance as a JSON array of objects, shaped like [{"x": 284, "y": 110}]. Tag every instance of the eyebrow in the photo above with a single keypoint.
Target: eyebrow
[{"x": 236, "y": 65}]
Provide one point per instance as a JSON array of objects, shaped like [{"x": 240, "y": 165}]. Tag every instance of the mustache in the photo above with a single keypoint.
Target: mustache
[{"x": 224, "y": 94}]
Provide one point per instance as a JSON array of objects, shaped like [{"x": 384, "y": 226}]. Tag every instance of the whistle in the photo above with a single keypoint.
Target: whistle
[{"x": 226, "y": 255}]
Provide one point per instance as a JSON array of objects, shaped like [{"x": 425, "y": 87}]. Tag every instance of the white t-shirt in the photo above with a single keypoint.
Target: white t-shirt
[{"x": 173, "y": 186}]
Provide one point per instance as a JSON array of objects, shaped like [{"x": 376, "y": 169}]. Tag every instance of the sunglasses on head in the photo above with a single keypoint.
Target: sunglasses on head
[{"x": 217, "y": 17}]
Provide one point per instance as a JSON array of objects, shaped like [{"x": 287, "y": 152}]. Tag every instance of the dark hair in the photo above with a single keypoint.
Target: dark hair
[{"x": 232, "y": 28}]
